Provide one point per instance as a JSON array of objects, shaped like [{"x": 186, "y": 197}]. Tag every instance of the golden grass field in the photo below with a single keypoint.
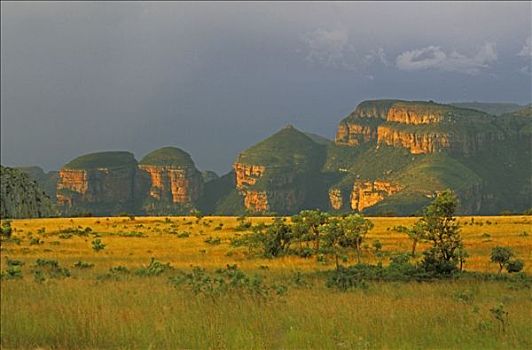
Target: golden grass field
[{"x": 82, "y": 312}]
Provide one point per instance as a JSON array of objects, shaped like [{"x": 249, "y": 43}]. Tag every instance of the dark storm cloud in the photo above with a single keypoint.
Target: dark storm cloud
[{"x": 214, "y": 78}]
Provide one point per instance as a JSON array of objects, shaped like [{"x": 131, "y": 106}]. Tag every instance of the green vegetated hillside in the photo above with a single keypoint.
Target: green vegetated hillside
[
  {"x": 47, "y": 181},
  {"x": 394, "y": 155},
  {"x": 490, "y": 108},
  {"x": 102, "y": 160},
  {"x": 21, "y": 197},
  {"x": 168, "y": 156}
]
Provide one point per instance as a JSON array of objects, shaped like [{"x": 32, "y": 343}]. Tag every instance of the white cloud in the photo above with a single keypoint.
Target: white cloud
[
  {"x": 526, "y": 51},
  {"x": 333, "y": 48},
  {"x": 434, "y": 57}
]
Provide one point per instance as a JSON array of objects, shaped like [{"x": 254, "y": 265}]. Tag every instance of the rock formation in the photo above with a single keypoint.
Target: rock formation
[
  {"x": 273, "y": 175},
  {"x": 367, "y": 194},
  {"x": 98, "y": 182},
  {"x": 175, "y": 184},
  {"x": 21, "y": 197}
]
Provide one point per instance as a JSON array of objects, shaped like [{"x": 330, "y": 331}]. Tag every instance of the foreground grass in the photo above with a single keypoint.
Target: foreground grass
[
  {"x": 149, "y": 313},
  {"x": 82, "y": 312}
]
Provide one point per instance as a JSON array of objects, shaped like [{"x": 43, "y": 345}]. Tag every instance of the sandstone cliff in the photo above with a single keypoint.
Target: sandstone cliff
[
  {"x": 175, "y": 185},
  {"x": 368, "y": 193},
  {"x": 98, "y": 182},
  {"x": 276, "y": 174}
]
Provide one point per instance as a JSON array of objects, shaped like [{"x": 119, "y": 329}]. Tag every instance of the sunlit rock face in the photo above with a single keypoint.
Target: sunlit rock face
[
  {"x": 174, "y": 183},
  {"x": 276, "y": 174},
  {"x": 98, "y": 180},
  {"x": 369, "y": 193},
  {"x": 420, "y": 127}
]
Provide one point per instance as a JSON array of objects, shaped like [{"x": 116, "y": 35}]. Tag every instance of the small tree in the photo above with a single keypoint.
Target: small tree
[
  {"x": 307, "y": 225},
  {"x": 501, "y": 255},
  {"x": 197, "y": 214},
  {"x": 334, "y": 238},
  {"x": 416, "y": 234},
  {"x": 355, "y": 228},
  {"x": 439, "y": 227}
]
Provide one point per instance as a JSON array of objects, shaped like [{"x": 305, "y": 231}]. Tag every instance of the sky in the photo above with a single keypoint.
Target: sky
[{"x": 214, "y": 78}]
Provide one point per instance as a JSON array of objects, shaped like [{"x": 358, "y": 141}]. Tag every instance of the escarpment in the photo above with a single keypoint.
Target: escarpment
[
  {"x": 175, "y": 185},
  {"x": 276, "y": 174},
  {"x": 420, "y": 127},
  {"x": 388, "y": 157},
  {"x": 98, "y": 182},
  {"x": 368, "y": 193}
]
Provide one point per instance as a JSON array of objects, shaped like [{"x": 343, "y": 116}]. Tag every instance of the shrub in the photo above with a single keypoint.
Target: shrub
[
  {"x": 213, "y": 240},
  {"x": 83, "y": 265},
  {"x": 5, "y": 229},
  {"x": 47, "y": 268},
  {"x": 514, "y": 265},
  {"x": 155, "y": 268},
  {"x": 226, "y": 282},
  {"x": 97, "y": 245}
]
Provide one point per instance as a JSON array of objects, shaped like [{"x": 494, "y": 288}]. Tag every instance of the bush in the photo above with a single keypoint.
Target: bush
[
  {"x": 155, "y": 268},
  {"x": 515, "y": 265},
  {"x": 213, "y": 240},
  {"x": 97, "y": 245},
  {"x": 5, "y": 229},
  {"x": 83, "y": 265},
  {"x": 226, "y": 282},
  {"x": 47, "y": 268}
]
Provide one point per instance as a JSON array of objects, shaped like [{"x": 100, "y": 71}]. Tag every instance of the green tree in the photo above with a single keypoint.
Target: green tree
[
  {"x": 502, "y": 256},
  {"x": 334, "y": 238},
  {"x": 307, "y": 226},
  {"x": 440, "y": 227},
  {"x": 416, "y": 234},
  {"x": 355, "y": 228}
]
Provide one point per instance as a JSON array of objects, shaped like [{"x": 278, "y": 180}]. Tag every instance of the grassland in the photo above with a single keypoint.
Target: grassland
[{"x": 83, "y": 311}]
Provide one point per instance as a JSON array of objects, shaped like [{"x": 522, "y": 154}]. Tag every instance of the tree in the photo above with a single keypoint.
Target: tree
[
  {"x": 333, "y": 236},
  {"x": 416, "y": 234},
  {"x": 355, "y": 228},
  {"x": 278, "y": 238},
  {"x": 307, "y": 225},
  {"x": 502, "y": 256},
  {"x": 197, "y": 214},
  {"x": 439, "y": 227}
]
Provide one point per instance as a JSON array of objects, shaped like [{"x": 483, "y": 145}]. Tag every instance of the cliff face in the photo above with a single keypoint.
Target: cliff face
[
  {"x": 20, "y": 197},
  {"x": 180, "y": 185},
  {"x": 417, "y": 143},
  {"x": 276, "y": 174},
  {"x": 420, "y": 127},
  {"x": 174, "y": 183},
  {"x": 367, "y": 194},
  {"x": 78, "y": 187}
]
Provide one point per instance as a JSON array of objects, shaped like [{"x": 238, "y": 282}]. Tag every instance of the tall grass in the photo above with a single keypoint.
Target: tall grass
[{"x": 82, "y": 312}]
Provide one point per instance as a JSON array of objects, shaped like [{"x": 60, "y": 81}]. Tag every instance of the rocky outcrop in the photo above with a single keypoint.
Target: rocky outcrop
[
  {"x": 20, "y": 197},
  {"x": 174, "y": 183},
  {"x": 247, "y": 175},
  {"x": 256, "y": 201},
  {"x": 101, "y": 183},
  {"x": 354, "y": 134},
  {"x": 180, "y": 185},
  {"x": 420, "y": 127},
  {"x": 336, "y": 199},
  {"x": 367, "y": 194},
  {"x": 276, "y": 174},
  {"x": 417, "y": 143}
]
